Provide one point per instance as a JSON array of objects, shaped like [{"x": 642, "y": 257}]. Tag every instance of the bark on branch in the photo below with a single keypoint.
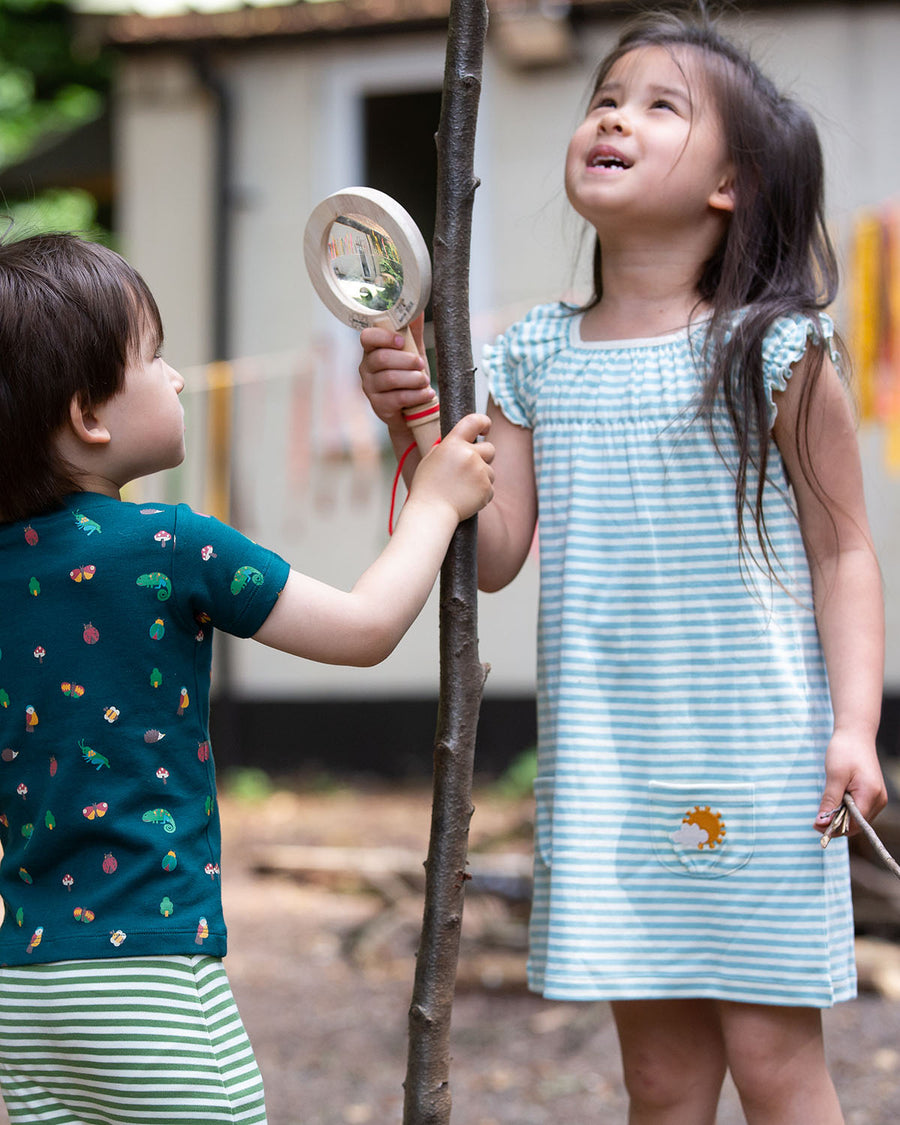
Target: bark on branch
[{"x": 427, "y": 1086}]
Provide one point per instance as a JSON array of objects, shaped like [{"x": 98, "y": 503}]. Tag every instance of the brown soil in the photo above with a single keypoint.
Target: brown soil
[{"x": 323, "y": 968}]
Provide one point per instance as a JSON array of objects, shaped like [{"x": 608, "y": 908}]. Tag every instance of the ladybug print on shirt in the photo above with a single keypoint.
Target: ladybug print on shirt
[{"x": 107, "y": 785}]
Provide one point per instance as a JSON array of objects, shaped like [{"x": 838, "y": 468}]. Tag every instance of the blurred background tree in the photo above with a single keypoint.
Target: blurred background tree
[{"x": 50, "y": 90}]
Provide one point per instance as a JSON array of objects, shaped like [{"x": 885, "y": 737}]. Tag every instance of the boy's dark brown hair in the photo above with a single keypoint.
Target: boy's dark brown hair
[{"x": 72, "y": 313}]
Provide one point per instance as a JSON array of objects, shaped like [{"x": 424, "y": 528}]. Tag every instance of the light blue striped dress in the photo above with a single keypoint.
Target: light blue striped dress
[{"x": 683, "y": 706}]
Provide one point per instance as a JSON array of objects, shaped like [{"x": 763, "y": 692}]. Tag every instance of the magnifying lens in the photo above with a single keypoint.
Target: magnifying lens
[{"x": 369, "y": 264}]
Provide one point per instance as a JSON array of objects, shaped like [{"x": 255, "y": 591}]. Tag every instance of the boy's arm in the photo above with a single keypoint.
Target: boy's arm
[
  {"x": 846, "y": 580},
  {"x": 363, "y": 626}
]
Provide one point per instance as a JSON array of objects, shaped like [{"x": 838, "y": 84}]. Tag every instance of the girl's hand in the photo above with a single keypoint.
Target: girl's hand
[
  {"x": 851, "y": 766},
  {"x": 391, "y": 377},
  {"x": 457, "y": 471}
]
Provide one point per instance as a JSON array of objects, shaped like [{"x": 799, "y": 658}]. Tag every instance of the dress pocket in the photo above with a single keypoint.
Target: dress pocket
[
  {"x": 543, "y": 819},
  {"x": 704, "y": 830}
]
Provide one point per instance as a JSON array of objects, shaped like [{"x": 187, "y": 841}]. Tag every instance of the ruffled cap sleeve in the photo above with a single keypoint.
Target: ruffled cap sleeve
[
  {"x": 786, "y": 342},
  {"x": 514, "y": 363}
]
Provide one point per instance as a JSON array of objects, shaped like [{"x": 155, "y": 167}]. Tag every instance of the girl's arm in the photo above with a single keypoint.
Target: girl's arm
[
  {"x": 363, "y": 626},
  {"x": 828, "y": 486},
  {"x": 393, "y": 379},
  {"x": 506, "y": 526}
]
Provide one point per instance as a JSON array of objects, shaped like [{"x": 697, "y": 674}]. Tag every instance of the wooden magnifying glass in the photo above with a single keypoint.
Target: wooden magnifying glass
[{"x": 369, "y": 264}]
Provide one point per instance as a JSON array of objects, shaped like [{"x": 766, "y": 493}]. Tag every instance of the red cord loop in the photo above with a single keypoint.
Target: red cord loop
[
  {"x": 400, "y": 465},
  {"x": 397, "y": 475}
]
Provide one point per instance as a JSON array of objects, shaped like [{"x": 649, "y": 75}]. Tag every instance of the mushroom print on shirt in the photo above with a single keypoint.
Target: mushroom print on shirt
[{"x": 108, "y": 817}]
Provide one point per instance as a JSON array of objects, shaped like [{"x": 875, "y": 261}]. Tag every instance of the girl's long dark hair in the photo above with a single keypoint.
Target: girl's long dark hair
[{"x": 776, "y": 257}]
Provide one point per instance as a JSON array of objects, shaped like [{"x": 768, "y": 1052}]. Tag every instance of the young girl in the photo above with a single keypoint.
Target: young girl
[
  {"x": 114, "y": 1005},
  {"x": 710, "y": 633}
]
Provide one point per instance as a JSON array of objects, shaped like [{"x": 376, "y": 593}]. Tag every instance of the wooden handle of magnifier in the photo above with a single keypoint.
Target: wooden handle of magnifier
[{"x": 424, "y": 420}]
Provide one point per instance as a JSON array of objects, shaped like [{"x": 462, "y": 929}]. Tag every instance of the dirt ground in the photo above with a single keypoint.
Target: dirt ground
[{"x": 323, "y": 967}]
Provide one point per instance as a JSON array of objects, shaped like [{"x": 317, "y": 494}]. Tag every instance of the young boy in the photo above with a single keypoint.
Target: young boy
[{"x": 112, "y": 995}]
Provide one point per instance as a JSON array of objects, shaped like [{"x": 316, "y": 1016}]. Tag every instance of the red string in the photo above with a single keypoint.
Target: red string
[{"x": 400, "y": 465}]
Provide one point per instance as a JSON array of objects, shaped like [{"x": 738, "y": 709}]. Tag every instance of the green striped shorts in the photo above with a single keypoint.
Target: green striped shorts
[{"x": 126, "y": 1041}]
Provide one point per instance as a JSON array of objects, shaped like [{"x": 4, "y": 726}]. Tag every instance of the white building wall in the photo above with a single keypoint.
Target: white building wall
[{"x": 298, "y": 139}]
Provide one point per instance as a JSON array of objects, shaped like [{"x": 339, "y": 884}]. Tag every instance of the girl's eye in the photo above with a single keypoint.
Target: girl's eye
[{"x": 604, "y": 103}]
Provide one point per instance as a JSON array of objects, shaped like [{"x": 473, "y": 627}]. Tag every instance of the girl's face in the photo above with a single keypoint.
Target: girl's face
[
  {"x": 650, "y": 149},
  {"x": 145, "y": 419}
]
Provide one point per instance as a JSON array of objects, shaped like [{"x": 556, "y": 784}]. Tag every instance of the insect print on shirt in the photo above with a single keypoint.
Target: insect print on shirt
[
  {"x": 92, "y": 756},
  {"x": 83, "y": 573},
  {"x": 88, "y": 526},
  {"x": 156, "y": 581},
  {"x": 243, "y": 575},
  {"x": 160, "y": 816}
]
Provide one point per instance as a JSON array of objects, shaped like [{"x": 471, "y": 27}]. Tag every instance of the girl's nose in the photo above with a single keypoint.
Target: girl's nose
[
  {"x": 178, "y": 380},
  {"x": 613, "y": 121}
]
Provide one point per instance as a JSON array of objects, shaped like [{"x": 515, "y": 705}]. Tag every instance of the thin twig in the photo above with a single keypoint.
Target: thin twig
[
  {"x": 839, "y": 823},
  {"x": 837, "y": 827}
]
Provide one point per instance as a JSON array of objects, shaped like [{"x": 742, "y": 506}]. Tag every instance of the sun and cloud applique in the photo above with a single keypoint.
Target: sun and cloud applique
[{"x": 700, "y": 828}]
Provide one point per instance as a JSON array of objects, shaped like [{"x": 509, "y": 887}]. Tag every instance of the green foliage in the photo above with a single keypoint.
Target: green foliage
[
  {"x": 517, "y": 780},
  {"x": 46, "y": 84},
  {"x": 67, "y": 209},
  {"x": 248, "y": 784},
  {"x": 47, "y": 87}
]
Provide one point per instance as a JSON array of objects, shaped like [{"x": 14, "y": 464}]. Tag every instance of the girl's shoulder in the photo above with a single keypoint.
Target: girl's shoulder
[
  {"x": 787, "y": 341},
  {"x": 518, "y": 359},
  {"x": 528, "y": 341},
  {"x": 544, "y": 322},
  {"x": 788, "y": 337}
]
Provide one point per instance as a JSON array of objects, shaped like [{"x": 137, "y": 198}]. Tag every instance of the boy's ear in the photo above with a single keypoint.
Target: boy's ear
[
  {"x": 85, "y": 423},
  {"x": 722, "y": 199}
]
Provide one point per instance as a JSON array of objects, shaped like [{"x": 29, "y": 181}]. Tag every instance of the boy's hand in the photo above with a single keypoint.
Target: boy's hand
[
  {"x": 391, "y": 377},
  {"x": 458, "y": 471}
]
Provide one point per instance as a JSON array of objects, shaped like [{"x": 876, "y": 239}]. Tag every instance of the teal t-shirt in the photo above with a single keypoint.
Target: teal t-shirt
[{"x": 108, "y": 816}]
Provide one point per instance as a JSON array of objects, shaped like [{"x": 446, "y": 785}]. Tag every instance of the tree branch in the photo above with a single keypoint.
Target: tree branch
[{"x": 427, "y": 1086}]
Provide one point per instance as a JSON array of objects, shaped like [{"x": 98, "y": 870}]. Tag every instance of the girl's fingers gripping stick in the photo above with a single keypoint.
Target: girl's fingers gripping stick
[{"x": 424, "y": 419}]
